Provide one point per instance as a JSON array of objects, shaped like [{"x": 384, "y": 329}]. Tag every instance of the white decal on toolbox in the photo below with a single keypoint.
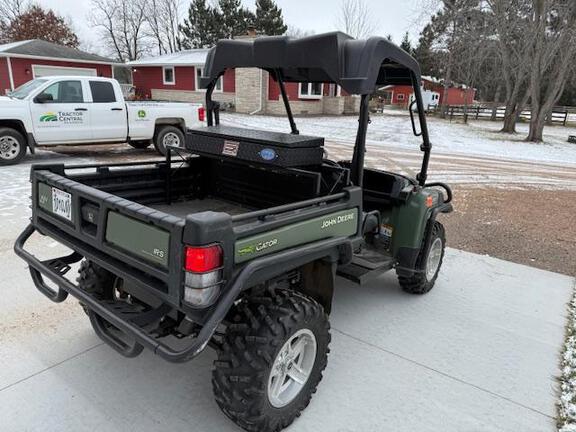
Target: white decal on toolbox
[{"x": 230, "y": 148}]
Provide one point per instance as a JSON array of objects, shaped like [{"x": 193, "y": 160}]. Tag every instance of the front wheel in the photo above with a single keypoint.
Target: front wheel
[
  {"x": 271, "y": 360},
  {"x": 12, "y": 146},
  {"x": 429, "y": 262},
  {"x": 168, "y": 135}
]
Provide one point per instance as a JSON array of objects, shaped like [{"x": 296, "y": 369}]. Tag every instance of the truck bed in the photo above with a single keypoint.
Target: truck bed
[
  {"x": 184, "y": 208},
  {"x": 206, "y": 184}
]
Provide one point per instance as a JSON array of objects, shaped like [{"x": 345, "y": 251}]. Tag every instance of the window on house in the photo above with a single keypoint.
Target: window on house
[
  {"x": 102, "y": 92},
  {"x": 65, "y": 92},
  {"x": 401, "y": 97},
  {"x": 169, "y": 77},
  {"x": 310, "y": 90},
  {"x": 334, "y": 90},
  {"x": 199, "y": 73}
]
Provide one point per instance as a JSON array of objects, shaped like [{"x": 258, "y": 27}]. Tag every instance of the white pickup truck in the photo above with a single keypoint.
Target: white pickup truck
[{"x": 84, "y": 110}]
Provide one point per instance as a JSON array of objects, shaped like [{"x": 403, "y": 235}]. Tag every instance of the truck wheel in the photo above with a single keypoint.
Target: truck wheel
[
  {"x": 271, "y": 360},
  {"x": 168, "y": 135},
  {"x": 429, "y": 261},
  {"x": 95, "y": 280},
  {"x": 12, "y": 146},
  {"x": 140, "y": 144}
]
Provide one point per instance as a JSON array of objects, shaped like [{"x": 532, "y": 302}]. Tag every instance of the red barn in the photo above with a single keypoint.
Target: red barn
[
  {"x": 23, "y": 61},
  {"x": 458, "y": 94}
]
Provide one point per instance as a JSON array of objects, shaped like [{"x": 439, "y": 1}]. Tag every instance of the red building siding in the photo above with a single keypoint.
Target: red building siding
[
  {"x": 146, "y": 78},
  {"x": 22, "y": 68},
  {"x": 291, "y": 91},
  {"x": 4, "y": 76},
  {"x": 455, "y": 95},
  {"x": 229, "y": 81},
  {"x": 401, "y": 94}
]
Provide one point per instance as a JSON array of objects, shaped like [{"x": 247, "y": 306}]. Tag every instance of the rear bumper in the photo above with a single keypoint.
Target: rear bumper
[{"x": 133, "y": 324}]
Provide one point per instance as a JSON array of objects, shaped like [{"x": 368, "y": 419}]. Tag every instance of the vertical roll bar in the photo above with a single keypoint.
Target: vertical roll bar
[
  {"x": 426, "y": 146},
  {"x": 280, "y": 80},
  {"x": 357, "y": 174}
]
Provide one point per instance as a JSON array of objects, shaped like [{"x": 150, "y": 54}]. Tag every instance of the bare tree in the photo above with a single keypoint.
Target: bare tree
[
  {"x": 10, "y": 9},
  {"x": 123, "y": 24},
  {"x": 163, "y": 17},
  {"x": 296, "y": 32},
  {"x": 355, "y": 19},
  {"x": 553, "y": 52}
]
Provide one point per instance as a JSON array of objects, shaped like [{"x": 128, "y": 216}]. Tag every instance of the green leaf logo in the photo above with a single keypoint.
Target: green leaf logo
[
  {"x": 247, "y": 250},
  {"x": 49, "y": 117},
  {"x": 141, "y": 114}
]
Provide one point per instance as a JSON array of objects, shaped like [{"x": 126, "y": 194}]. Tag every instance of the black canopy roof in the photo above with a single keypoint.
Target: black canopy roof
[{"x": 358, "y": 66}]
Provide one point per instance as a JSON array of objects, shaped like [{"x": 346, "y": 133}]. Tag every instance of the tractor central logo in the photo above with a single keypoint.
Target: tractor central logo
[
  {"x": 141, "y": 114},
  {"x": 68, "y": 117},
  {"x": 49, "y": 117}
]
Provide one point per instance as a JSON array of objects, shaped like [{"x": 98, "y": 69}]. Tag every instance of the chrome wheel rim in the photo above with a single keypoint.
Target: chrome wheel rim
[
  {"x": 9, "y": 147},
  {"x": 292, "y": 368},
  {"x": 434, "y": 257},
  {"x": 171, "y": 139}
]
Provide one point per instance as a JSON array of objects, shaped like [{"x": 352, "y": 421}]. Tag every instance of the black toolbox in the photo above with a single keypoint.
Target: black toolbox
[{"x": 273, "y": 148}]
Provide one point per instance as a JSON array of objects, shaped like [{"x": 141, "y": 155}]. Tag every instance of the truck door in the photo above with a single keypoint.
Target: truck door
[
  {"x": 63, "y": 116},
  {"x": 109, "y": 122}
]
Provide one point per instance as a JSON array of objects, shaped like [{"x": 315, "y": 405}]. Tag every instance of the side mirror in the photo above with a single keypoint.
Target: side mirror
[{"x": 44, "y": 98}]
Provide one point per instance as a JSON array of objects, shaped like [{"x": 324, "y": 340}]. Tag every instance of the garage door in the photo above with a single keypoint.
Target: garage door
[{"x": 43, "y": 71}]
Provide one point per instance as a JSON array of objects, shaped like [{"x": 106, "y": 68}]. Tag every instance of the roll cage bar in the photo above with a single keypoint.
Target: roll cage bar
[{"x": 358, "y": 66}]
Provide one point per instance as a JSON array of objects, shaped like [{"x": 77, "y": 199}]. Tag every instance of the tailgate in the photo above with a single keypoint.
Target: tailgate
[{"x": 115, "y": 232}]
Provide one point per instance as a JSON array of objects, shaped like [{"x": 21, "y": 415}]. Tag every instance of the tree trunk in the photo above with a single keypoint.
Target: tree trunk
[
  {"x": 495, "y": 103},
  {"x": 537, "y": 122},
  {"x": 510, "y": 118}
]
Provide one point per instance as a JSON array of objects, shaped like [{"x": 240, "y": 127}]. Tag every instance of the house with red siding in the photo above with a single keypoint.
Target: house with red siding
[
  {"x": 457, "y": 94},
  {"x": 23, "y": 61},
  {"x": 175, "y": 77}
]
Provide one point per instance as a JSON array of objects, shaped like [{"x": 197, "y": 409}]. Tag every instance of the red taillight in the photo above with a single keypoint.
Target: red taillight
[
  {"x": 201, "y": 114},
  {"x": 203, "y": 259}
]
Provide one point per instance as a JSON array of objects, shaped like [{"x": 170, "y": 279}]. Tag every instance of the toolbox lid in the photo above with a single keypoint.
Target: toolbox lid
[{"x": 268, "y": 138}]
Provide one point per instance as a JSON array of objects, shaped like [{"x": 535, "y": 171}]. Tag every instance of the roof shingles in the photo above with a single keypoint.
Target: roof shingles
[{"x": 41, "y": 48}]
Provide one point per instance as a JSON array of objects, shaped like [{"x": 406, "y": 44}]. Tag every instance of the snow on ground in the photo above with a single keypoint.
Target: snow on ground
[
  {"x": 15, "y": 186},
  {"x": 393, "y": 129},
  {"x": 567, "y": 406}
]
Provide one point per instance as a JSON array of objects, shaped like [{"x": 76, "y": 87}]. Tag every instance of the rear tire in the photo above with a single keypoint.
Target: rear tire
[
  {"x": 140, "y": 144},
  {"x": 168, "y": 135},
  {"x": 273, "y": 337},
  {"x": 429, "y": 261},
  {"x": 12, "y": 146}
]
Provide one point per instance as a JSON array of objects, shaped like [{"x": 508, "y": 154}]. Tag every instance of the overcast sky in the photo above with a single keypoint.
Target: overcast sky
[{"x": 390, "y": 16}]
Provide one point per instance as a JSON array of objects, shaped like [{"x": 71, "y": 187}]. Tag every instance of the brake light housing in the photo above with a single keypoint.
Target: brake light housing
[
  {"x": 203, "y": 259},
  {"x": 201, "y": 114},
  {"x": 203, "y": 267}
]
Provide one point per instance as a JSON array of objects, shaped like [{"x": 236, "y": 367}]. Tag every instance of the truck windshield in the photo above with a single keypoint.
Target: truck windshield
[{"x": 25, "y": 89}]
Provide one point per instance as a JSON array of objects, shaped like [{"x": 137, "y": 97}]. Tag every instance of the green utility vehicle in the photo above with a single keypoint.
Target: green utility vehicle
[{"x": 235, "y": 240}]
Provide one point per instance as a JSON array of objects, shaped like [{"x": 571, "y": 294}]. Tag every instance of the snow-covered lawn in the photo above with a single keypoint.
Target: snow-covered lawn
[
  {"x": 567, "y": 406},
  {"x": 392, "y": 129}
]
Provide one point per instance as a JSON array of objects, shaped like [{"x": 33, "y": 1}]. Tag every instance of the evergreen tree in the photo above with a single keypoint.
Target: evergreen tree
[
  {"x": 425, "y": 54},
  {"x": 269, "y": 19},
  {"x": 406, "y": 45},
  {"x": 201, "y": 29},
  {"x": 234, "y": 19}
]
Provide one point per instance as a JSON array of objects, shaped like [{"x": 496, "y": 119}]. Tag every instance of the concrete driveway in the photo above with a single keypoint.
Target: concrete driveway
[{"x": 478, "y": 354}]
